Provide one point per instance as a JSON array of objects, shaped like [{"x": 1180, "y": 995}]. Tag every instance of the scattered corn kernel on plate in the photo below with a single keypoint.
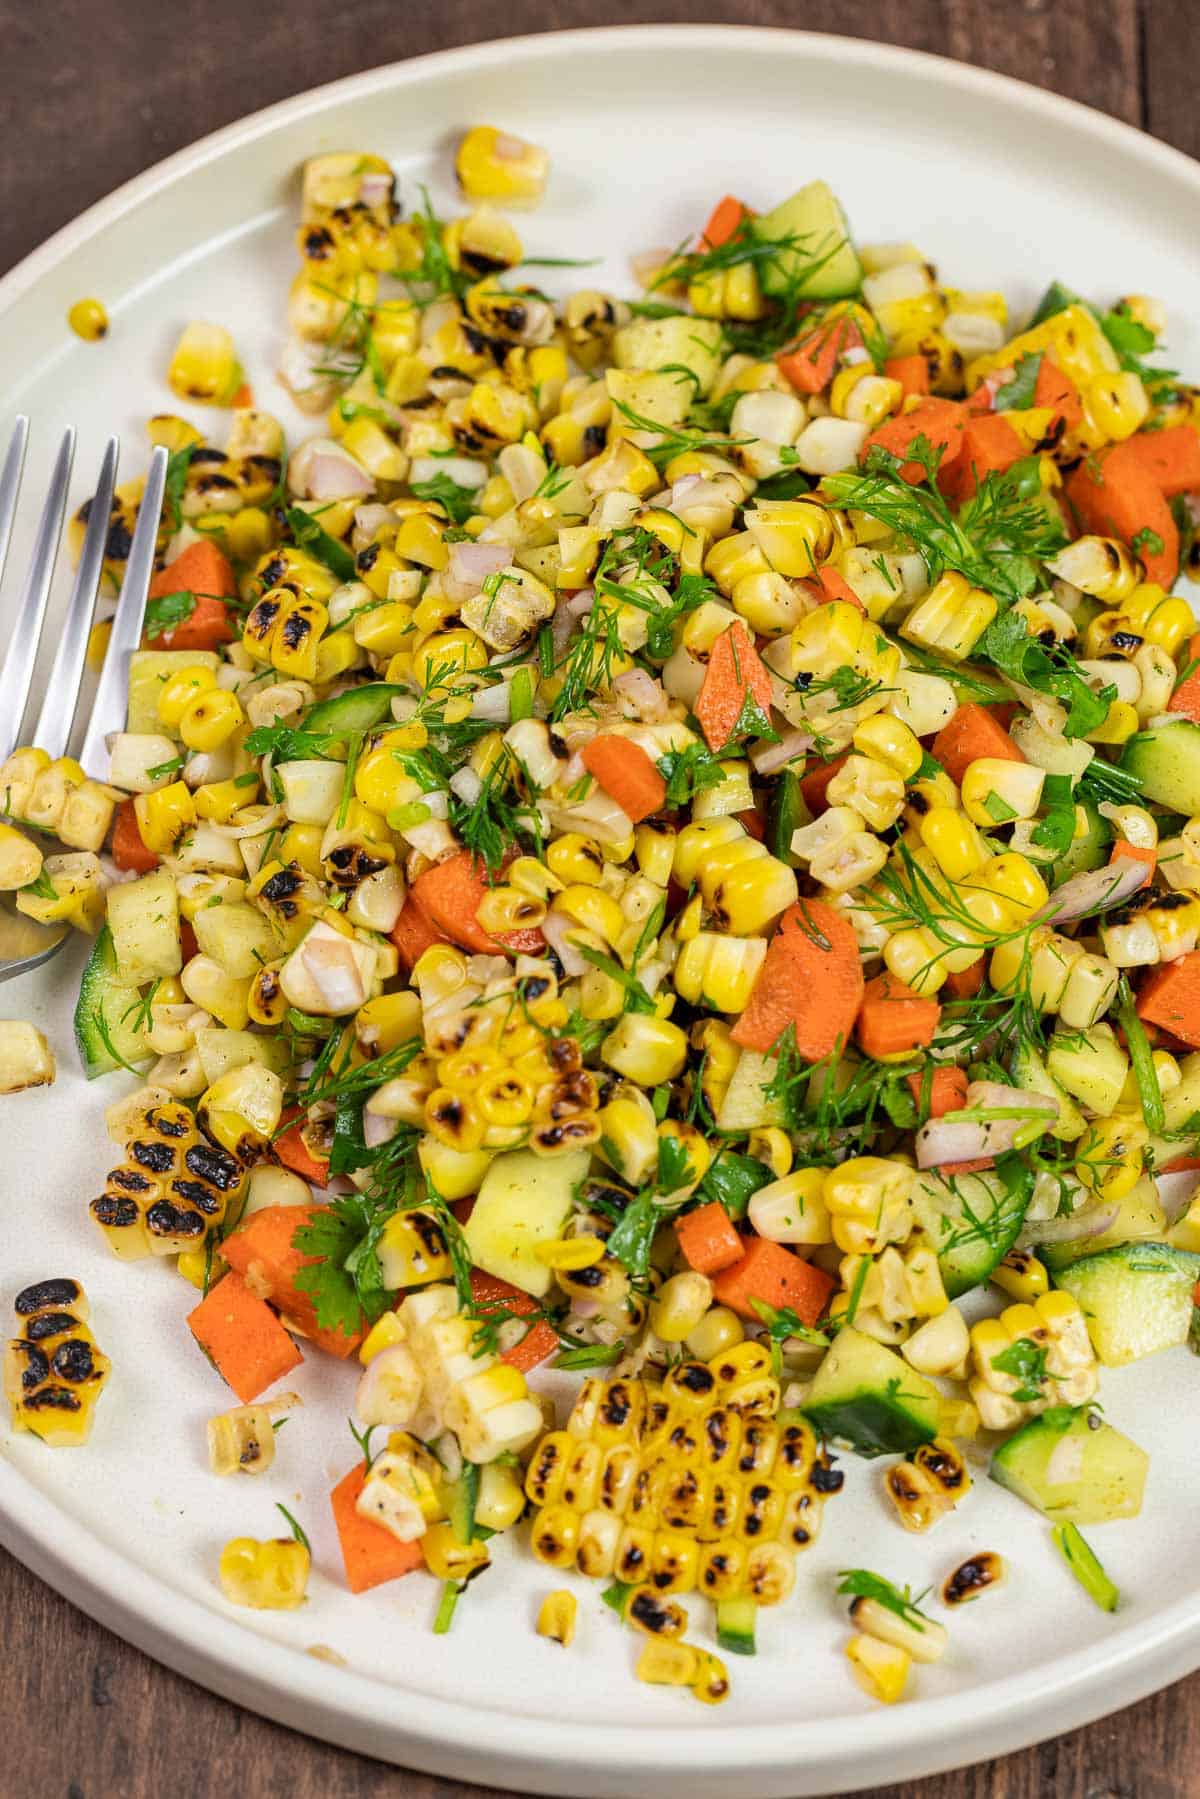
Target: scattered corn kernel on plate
[{"x": 600, "y": 1197}]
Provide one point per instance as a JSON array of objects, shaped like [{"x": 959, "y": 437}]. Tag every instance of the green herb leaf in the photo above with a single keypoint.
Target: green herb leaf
[
  {"x": 1085, "y": 1565},
  {"x": 310, "y": 536},
  {"x": 860, "y": 1583},
  {"x": 1018, "y": 394},
  {"x": 1008, "y": 646},
  {"x": 458, "y": 502},
  {"x": 296, "y": 1528},
  {"x": 169, "y": 610}
]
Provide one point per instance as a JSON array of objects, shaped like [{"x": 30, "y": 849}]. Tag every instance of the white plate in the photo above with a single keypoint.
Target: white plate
[{"x": 1003, "y": 186}]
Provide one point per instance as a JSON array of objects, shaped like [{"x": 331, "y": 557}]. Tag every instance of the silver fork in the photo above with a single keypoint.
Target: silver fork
[{"x": 25, "y": 944}]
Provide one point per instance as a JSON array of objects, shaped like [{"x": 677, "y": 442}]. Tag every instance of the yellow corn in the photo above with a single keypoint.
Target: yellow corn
[
  {"x": 53, "y": 1371},
  {"x": 267, "y": 1576}
]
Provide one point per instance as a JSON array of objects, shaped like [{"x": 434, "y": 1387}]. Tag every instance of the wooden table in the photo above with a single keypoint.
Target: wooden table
[{"x": 94, "y": 92}]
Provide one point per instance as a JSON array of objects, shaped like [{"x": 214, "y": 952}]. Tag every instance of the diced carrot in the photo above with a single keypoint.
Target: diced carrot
[
  {"x": 771, "y": 1274},
  {"x": 811, "y": 364},
  {"x": 984, "y": 397},
  {"x": 976, "y": 1166},
  {"x": 128, "y": 850},
  {"x": 912, "y": 372},
  {"x": 450, "y": 895},
  {"x": 370, "y": 1553},
  {"x": 627, "y": 775},
  {"x": 539, "y": 1342},
  {"x": 1181, "y": 1165},
  {"x": 1170, "y": 997},
  {"x": 836, "y": 587},
  {"x": 264, "y": 1250},
  {"x": 1057, "y": 391},
  {"x": 893, "y": 1019},
  {"x": 815, "y": 781},
  {"x": 947, "y": 1090},
  {"x": 989, "y": 446},
  {"x": 1171, "y": 457},
  {"x": 736, "y": 677},
  {"x": 941, "y": 422},
  {"x": 811, "y": 980},
  {"x": 243, "y": 1337},
  {"x": 965, "y": 983},
  {"x": 1123, "y": 850},
  {"x": 707, "y": 1238},
  {"x": 723, "y": 222},
  {"x": 1186, "y": 697},
  {"x": 291, "y": 1149},
  {"x": 1119, "y": 497},
  {"x": 973, "y": 732},
  {"x": 207, "y": 574},
  {"x": 244, "y": 395},
  {"x": 413, "y": 934}
]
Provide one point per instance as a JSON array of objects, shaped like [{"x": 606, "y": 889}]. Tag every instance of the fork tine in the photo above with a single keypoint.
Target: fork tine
[
  {"x": 112, "y": 694},
  {"x": 53, "y": 729},
  {"x": 17, "y": 673},
  {"x": 10, "y": 483}
]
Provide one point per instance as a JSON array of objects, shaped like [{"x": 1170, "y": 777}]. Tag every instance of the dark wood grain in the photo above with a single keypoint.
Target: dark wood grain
[{"x": 92, "y": 92}]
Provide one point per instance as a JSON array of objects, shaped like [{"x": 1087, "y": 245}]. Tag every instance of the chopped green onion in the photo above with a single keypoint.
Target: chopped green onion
[{"x": 1085, "y": 1566}]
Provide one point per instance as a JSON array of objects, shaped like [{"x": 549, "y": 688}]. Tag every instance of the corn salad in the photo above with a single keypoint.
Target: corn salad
[{"x": 662, "y": 839}]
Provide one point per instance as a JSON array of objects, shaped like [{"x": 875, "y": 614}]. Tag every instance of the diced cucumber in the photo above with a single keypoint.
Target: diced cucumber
[
  {"x": 461, "y": 1498},
  {"x": 788, "y": 814},
  {"x": 1030, "y": 1072},
  {"x": 1089, "y": 850},
  {"x": 1090, "y": 1065},
  {"x": 685, "y": 341},
  {"x": 1166, "y": 759},
  {"x": 359, "y": 709},
  {"x": 524, "y": 1200},
  {"x": 865, "y": 1395},
  {"x": 1139, "y": 1216},
  {"x": 104, "y": 1030},
  {"x": 815, "y": 252},
  {"x": 1072, "y": 1467},
  {"x": 1136, "y": 1298},
  {"x": 1085, "y": 1565},
  {"x": 973, "y": 1220},
  {"x": 735, "y": 1626}
]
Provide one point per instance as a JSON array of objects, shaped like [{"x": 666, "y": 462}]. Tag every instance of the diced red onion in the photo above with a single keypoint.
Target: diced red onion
[
  {"x": 948, "y": 1139},
  {"x": 1076, "y": 1227},
  {"x": 269, "y": 821},
  {"x": 322, "y": 470},
  {"x": 581, "y": 603},
  {"x": 646, "y": 264},
  {"x": 469, "y": 566},
  {"x": 767, "y": 757},
  {"x": 369, "y": 518},
  {"x": 641, "y": 695},
  {"x": 377, "y": 1129},
  {"x": 1095, "y": 890}
]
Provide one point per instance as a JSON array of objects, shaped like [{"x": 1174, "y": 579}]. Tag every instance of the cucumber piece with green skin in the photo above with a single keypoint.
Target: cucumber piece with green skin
[
  {"x": 462, "y": 1497},
  {"x": 866, "y": 1396},
  {"x": 359, "y": 709},
  {"x": 105, "y": 1034},
  {"x": 1030, "y": 1072},
  {"x": 815, "y": 253},
  {"x": 973, "y": 1220},
  {"x": 1139, "y": 1218},
  {"x": 1137, "y": 1298},
  {"x": 1089, "y": 850},
  {"x": 735, "y": 1626},
  {"x": 1072, "y": 1467},
  {"x": 1166, "y": 760},
  {"x": 788, "y": 814}
]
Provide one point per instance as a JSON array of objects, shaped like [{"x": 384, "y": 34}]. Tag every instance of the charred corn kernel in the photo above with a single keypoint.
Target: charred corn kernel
[
  {"x": 1031, "y": 1358},
  {"x": 557, "y": 1617},
  {"x": 649, "y": 1051},
  {"x": 205, "y": 366},
  {"x": 951, "y": 618},
  {"x": 88, "y": 320},
  {"x": 412, "y": 1250},
  {"x": 266, "y": 1576},
  {"x": 927, "y": 1487},
  {"x": 939, "y": 1346},
  {"x": 995, "y": 792},
  {"x": 924, "y": 1641},
  {"x": 718, "y": 971},
  {"x": 592, "y": 908},
  {"x": 792, "y": 1209},
  {"x": 97, "y": 648},
  {"x": 1161, "y": 617},
  {"x": 772, "y": 1146},
  {"x": 1099, "y": 566},
  {"x": 217, "y": 801},
  {"x": 241, "y": 1441},
  {"x": 493, "y": 165},
  {"x": 20, "y": 859},
  {"x": 881, "y": 1669},
  {"x": 298, "y": 630},
  {"x": 172, "y": 1185},
  {"x": 1112, "y": 1156},
  {"x": 887, "y": 740},
  {"x": 669, "y": 1664},
  {"x": 385, "y": 1333},
  {"x": 164, "y": 816},
  {"x": 868, "y": 1200},
  {"x": 1120, "y": 725},
  {"x": 501, "y": 1500},
  {"x": 210, "y": 719},
  {"x": 710, "y": 1684},
  {"x": 716, "y": 1332},
  {"x": 179, "y": 692},
  {"x": 54, "y": 1372},
  {"x": 1021, "y": 1275},
  {"x": 570, "y": 1252},
  {"x": 953, "y": 842},
  {"x": 1118, "y": 403},
  {"x": 1015, "y": 879},
  {"x": 680, "y": 1305},
  {"x": 447, "y": 1558}
]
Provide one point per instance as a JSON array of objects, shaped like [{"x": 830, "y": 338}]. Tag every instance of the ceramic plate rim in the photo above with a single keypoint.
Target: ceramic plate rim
[{"x": 343, "y": 1705}]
